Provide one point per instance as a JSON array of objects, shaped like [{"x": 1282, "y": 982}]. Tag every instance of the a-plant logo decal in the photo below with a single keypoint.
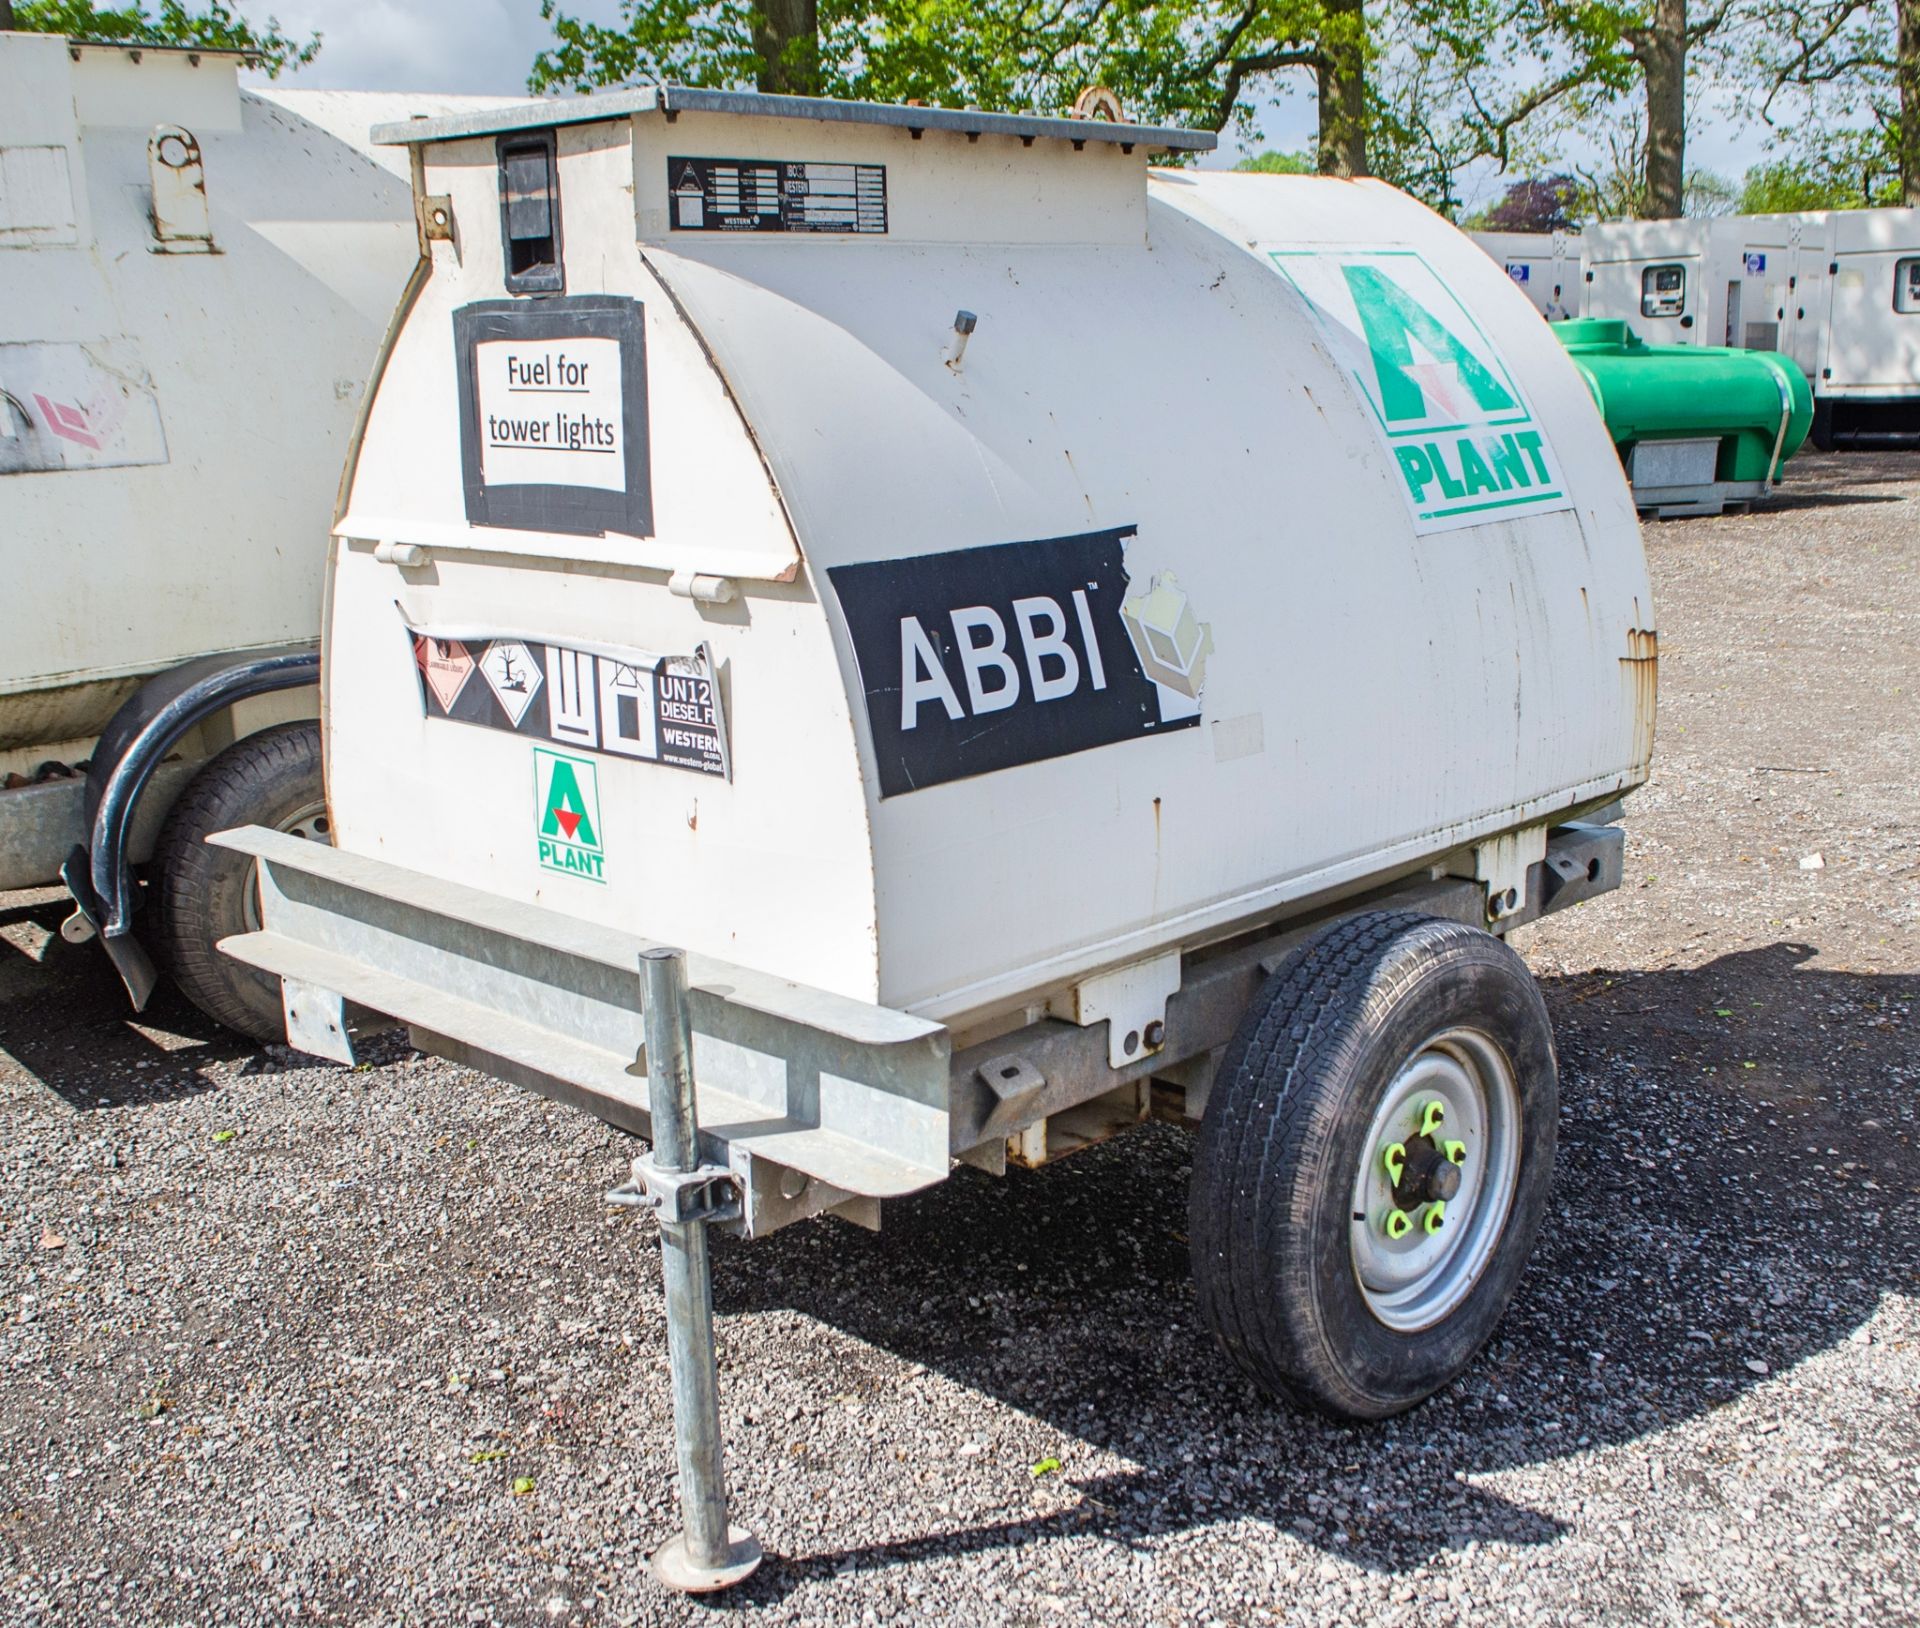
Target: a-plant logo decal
[
  {"x": 566, "y": 800},
  {"x": 1464, "y": 441}
]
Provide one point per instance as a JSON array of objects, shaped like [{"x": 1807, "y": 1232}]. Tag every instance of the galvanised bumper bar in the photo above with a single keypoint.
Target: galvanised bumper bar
[{"x": 852, "y": 1097}]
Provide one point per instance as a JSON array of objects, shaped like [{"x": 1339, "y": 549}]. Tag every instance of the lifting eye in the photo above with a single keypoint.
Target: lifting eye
[{"x": 530, "y": 214}]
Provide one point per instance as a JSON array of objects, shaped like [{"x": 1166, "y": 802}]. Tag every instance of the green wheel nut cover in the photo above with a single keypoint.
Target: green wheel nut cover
[
  {"x": 1436, "y": 1216},
  {"x": 1395, "y": 1158},
  {"x": 1399, "y": 1224},
  {"x": 1456, "y": 1152},
  {"x": 1430, "y": 1117}
]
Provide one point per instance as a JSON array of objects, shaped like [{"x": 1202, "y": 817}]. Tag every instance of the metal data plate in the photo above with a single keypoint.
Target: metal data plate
[{"x": 851, "y": 1094}]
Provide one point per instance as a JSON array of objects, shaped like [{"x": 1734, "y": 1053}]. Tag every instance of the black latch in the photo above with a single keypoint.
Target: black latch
[{"x": 530, "y": 214}]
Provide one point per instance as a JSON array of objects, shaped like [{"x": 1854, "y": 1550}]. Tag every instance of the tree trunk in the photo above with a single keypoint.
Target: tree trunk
[
  {"x": 6, "y": 16},
  {"x": 786, "y": 38},
  {"x": 1341, "y": 77},
  {"x": 1906, "y": 67},
  {"x": 1662, "y": 50}
]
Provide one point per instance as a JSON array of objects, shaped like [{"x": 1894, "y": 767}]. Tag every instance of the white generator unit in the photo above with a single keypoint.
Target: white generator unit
[
  {"x": 194, "y": 279},
  {"x": 1836, "y": 290},
  {"x": 1054, "y": 643},
  {"x": 1544, "y": 266}
]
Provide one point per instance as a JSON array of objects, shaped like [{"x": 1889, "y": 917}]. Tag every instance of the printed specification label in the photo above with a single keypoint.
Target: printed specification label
[{"x": 776, "y": 195}]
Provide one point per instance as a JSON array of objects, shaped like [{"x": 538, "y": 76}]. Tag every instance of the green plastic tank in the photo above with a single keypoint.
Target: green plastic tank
[{"x": 1653, "y": 393}]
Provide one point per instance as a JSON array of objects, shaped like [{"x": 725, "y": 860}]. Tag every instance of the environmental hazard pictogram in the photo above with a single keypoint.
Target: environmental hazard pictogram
[
  {"x": 567, "y": 815},
  {"x": 513, "y": 676}
]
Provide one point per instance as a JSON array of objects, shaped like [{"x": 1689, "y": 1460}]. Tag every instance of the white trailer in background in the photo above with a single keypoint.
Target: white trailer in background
[
  {"x": 1836, "y": 290},
  {"x": 1544, "y": 266},
  {"x": 194, "y": 278},
  {"x": 1867, "y": 388}
]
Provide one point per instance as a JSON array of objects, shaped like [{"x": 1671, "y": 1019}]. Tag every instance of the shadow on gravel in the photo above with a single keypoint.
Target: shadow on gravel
[
  {"x": 1735, "y": 1143},
  {"x": 1785, "y": 501},
  {"x": 1817, "y": 480},
  {"x": 66, "y": 1020}
]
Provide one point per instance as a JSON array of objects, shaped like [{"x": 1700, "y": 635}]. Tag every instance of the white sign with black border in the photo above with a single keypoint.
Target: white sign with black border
[{"x": 553, "y": 415}]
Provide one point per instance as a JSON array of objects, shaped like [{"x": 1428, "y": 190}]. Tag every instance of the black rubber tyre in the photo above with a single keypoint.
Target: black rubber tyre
[
  {"x": 205, "y": 894},
  {"x": 1285, "y": 1132}
]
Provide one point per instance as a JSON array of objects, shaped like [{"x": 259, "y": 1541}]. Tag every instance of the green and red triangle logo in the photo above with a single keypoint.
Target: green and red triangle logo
[{"x": 567, "y": 806}]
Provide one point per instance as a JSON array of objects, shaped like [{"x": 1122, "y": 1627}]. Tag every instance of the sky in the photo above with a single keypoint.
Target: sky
[{"x": 484, "y": 47}]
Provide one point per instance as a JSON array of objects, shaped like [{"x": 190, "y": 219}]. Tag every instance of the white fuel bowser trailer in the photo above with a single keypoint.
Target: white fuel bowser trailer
[
  {"x": 194, "y": 278},
  {"x": 865, "y": 637}
]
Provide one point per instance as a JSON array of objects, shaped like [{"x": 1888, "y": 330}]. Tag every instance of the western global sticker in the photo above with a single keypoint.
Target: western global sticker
[
  {"x": 566, "y": 799},
  {"x": 1465, "y": 444}
]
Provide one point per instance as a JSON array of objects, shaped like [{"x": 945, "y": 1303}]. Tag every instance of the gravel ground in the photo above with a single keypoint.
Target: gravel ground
[{"x": 284, "y": 1342}]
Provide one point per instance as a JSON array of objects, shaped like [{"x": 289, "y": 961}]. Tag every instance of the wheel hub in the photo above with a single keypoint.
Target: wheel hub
[
  {"x": 1428, "y": 1174},
  {"x": 309, "y": 822},
  {"x": 1436, "y": 1181}
]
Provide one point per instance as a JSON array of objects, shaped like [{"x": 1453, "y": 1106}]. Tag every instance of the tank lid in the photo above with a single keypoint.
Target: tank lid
[
  {"x": 1597, "y": 333},
  {"x": 620, "y": 104}
]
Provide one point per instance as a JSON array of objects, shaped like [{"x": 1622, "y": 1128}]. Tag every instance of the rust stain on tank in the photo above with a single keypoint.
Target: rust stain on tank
[{"x": 1642, "y": 665}]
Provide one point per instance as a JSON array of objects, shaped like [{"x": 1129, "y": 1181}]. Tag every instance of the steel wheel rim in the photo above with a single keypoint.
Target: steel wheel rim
[
  {"x": 1415, "y": 1281},
  {"x": 308, "y": 821}
]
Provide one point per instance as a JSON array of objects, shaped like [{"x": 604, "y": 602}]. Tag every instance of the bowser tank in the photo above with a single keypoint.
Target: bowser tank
[
  {"x": 1240, "y": 540},
  {"x": 863, "y": 638},
  {"x": 194, "y": 280},
  {"x": 1697, "y": 426},
  {"x": 194, "y": 276}
]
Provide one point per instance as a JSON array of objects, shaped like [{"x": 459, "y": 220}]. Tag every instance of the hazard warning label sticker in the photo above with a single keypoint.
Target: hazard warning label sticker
[
  {"x": 513, "y": 676},
  {"x": 618, "y": 703},
  {"x": 446, "y": 665}
]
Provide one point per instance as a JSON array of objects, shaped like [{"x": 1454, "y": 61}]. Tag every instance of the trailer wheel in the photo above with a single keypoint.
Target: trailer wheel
[
  {"x": 1372, "y": 1167},
  {"x": 205, "y": 894}
]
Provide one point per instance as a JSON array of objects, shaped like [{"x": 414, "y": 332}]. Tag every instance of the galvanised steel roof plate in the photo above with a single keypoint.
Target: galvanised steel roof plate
[{"x": 620, "y": 104}]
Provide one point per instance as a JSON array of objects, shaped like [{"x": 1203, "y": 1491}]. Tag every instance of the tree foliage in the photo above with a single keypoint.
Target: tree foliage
[
  {"x": 1418, "y": 92},
  {"x": 1842, "y": 177},
  {"x": 1840, "y": 82},
  {"x": 219, "y": 27},
  {"x": 1546, "y": 203},
  {"x": 1274, "y": 163},
  {"x": 1213, "y": 64},
  {"x": 1185, "y": 62}
]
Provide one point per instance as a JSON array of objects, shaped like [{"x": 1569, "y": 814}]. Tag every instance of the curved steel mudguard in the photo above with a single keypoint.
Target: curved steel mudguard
[{"x": 145, "y": 729}]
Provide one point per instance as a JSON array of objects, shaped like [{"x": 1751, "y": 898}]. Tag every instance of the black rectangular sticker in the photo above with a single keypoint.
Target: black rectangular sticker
[
  {"x": 984, "y": 658},
  {"x": 553, "y": 415},
  {"x": 776, "y": 195},
  {"x": 658, "y": 709}
]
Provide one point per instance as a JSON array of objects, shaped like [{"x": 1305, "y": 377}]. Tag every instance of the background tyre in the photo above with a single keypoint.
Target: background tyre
[
  {"x": 205, "y": 894},
  {"x": 1372, "y": 1168}
]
